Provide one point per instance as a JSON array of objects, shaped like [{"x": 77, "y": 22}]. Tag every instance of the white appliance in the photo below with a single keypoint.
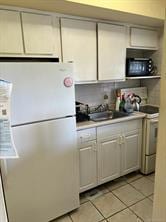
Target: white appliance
[
  {"x": 43, "y": 183},
  {"x": 150, "y": 129}
]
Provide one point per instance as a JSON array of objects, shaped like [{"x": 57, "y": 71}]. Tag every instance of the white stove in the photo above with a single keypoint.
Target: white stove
[
  {"x": 150, "y": 129},
  {"x": 151, "y": 111}
]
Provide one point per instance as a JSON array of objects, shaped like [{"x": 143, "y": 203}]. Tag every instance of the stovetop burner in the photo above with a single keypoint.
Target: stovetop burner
[{"x": 149, "y": 109}]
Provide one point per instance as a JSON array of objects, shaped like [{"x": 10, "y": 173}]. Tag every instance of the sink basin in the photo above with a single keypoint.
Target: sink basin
[{"x": 102, "y": 116}]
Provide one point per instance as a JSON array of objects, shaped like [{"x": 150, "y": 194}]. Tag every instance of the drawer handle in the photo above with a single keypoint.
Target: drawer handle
[{"x": 86, "y": 136}]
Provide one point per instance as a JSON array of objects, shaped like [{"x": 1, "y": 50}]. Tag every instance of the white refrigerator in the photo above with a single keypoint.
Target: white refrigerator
[{"x": 42, "y": 184}]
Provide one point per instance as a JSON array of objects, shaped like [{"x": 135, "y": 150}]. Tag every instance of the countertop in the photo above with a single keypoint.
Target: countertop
[{"x": 90, "y": 124}]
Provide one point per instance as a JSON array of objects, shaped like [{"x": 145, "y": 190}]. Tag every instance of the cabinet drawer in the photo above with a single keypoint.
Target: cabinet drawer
[
  {"x": 132, "y": 125},
  {"x": 118, "y": 128},
  {"x": 86, "y": 135},
  {"x": 108, "y": 130}
]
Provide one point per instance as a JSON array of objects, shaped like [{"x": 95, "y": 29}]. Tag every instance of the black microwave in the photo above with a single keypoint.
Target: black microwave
[{"x": 139, "y": 67}]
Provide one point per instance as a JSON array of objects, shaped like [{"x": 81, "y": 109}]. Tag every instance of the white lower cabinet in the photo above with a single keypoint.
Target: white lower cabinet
[
  {"x": 109, "y": 152},
  {"x": 109, "y": 159},
  {"x": 88, "y": 166},
  {"x": 131, "y": 152}
]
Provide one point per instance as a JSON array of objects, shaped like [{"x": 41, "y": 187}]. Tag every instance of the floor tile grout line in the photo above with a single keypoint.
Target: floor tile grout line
[
  {"x": 139, "y": 190},
  {"x": 114, "y": 213},
  {"x": 131, "y": 204},
  {"x": 135, "y": 204},
  {"x": 149, "y": 179},
  {"x": 125, "y": 179},
  {"x": 124, "y": 210},
  {"x": 71, "y": 218},
  {"x": 134, "y": 179},
  {"x": 136, "y": 214},
  {"x": 97, "y": 209},
  {"x": 126, "y": 207}
]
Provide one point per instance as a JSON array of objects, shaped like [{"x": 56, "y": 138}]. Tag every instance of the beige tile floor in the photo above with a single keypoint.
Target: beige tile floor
[{"x": 127, "y": 199}]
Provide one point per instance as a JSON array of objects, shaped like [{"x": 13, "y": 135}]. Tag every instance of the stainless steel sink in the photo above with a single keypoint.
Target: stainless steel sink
[{"x": 102, "y": 116}]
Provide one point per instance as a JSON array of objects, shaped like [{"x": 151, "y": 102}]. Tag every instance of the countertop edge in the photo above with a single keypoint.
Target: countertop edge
[{"x": 91, "y": 124}]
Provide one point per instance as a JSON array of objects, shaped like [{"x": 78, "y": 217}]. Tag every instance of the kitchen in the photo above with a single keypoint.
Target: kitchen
[{"x": 90, "y": 89}]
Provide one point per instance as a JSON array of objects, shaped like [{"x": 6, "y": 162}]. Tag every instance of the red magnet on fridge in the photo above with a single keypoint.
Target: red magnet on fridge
[{"x": 68, "y": 81}]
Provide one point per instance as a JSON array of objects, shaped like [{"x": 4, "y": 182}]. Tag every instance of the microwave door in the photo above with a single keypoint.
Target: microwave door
[{"x": 138, "y": 67}]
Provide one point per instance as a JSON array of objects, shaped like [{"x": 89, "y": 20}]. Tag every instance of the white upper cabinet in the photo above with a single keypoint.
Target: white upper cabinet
[
  {"x": 111, "y": 51},
  {"x": 143, "y": 38},
  {"x": 37, "y": 33},
  {"x": 11, "y": 34},
  {"x": 79, "y": 46}
]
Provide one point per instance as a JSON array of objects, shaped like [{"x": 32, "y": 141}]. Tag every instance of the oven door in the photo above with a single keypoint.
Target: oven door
[{"x": 151, "y": 140}]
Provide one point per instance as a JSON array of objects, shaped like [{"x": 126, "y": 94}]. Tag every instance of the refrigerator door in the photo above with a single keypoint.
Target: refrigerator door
[
  {"x": 40, "y": 90},
  {"x": 43, "y": 183}
]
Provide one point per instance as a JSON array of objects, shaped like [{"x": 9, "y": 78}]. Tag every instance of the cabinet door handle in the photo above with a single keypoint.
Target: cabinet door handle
[
  {"x": 119, "y": 140},
  {"x": 123, "y": 139},
  {"x": 95, "y": 150}
]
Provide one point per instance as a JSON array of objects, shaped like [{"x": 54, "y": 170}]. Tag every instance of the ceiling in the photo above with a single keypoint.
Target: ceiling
[{"x": 73, "y": 8}]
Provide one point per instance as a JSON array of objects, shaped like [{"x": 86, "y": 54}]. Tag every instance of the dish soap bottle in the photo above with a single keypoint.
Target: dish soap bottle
[
  {"x": 122, "y": 104},
  {"x": 118, "y": 101}
]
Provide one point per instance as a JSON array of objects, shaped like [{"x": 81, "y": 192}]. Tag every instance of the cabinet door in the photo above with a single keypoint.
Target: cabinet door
[
  {"x": 79, "y": 46},
  {"x": 88, "y": 166},
  {"x": 131, "y": 152},
  {"x": 109, "y": 160},
  {"x": 38, "y": 33},
  {"x": 57, "y": 38},
  {"x": 143, "y": 38},
  {"x": 11, "y": 34},
  {"x": 111, "y": 51}
]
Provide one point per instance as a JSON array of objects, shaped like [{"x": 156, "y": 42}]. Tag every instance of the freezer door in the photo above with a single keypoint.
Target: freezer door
[
  {"x": 40, "y": 90},
  {"x": 43, "y": 183}
]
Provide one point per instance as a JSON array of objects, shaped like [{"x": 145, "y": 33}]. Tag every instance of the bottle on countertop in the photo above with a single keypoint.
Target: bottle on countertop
[
  {"x": 122, "y": 103},
  {"x": 118, "y": 101}
]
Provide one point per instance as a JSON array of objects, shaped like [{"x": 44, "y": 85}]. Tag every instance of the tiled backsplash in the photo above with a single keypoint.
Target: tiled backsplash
[
  {"x": 93, "y": 94},
  {"x": 153, "y": 86}
]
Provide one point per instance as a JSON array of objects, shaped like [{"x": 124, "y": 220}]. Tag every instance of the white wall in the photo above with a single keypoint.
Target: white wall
[{"x": 159, "y": 206}]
